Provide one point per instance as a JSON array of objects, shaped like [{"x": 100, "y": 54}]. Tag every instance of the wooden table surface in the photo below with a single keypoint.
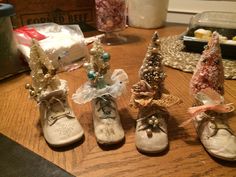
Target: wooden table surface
[{"x": 185, "y": 156}]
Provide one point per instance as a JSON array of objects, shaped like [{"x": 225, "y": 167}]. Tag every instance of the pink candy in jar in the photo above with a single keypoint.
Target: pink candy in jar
[{"x": 111, "y": 15}]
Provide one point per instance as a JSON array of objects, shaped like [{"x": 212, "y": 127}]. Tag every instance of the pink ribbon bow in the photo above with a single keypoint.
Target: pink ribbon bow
[{"x": 216, "y": 106}]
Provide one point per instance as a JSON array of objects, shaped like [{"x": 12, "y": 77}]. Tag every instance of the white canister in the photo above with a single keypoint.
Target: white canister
[{"x": 147, "y": 13}]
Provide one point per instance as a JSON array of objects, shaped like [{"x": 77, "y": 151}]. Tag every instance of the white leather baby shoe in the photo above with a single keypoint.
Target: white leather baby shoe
[
  {"x": 151, "y": 131},
  {"x": 148, "y": 95},
  {"x": 216, "y": 136},
  {"x": 60, "y": 125},
  {"x": 207, "y": 86},
  {"x": 106, "y": 120}
]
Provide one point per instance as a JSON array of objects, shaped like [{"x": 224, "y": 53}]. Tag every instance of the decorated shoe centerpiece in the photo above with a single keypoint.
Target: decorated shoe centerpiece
[
  {"x": 60, "y": 125},
  {"x": 210, "y": 111},
  {"x": 102, "y": 89},
  {"x": 148, "y": 96}
]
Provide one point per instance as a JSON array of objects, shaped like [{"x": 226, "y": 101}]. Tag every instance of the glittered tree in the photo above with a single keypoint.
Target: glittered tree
[
  {"x": 209, "y": 72},
  {"x": 150, "y": 89},
  {"x": 42, "y": 71},
  {"x": 152, "y": 69},
  {"x": 98, "y": 66}
]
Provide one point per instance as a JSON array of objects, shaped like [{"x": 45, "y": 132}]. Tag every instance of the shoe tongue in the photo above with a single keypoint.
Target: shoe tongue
[
  {"x": 106, "y": 105},
  {"x": 149, "y": 111},
  {"x": 209, "y": 96},
  {"x": 56, "y": 106}
]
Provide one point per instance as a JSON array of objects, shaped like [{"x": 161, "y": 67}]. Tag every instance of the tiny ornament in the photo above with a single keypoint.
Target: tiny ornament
[
  {"x": 32, "y": 93},
  {"x": 40, "y": 89},
  {"x": 102, "y": 90},
  {"x": 209, "y": 110},
  {"x": 28, "y": 86},
  {"x": 150, "y": 121},
  {"x": 149, "y": 98},
  {"x": 91, "y": 75},
  {"x": 59, "y": 124},
  {"x": 106, "y": 57}
]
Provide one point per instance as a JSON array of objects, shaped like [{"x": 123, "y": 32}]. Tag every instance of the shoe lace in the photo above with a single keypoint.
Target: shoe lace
[
  {"x": 217, "y": 123},
  {"x": 149, "y": 124},
  {"x": 53, "y": 116},
  {"x": 105, "y": 105}
]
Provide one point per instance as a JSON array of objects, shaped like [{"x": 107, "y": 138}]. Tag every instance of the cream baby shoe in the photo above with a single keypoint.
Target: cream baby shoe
[
  {"x": 60, "y": 125},
  {"x": 216, "y": 136},
  {"x": 106, "y": 121},
  {"x": 102, "y": 89},
  {"x": 151, "y": 131},
  {"x": 210, "y": 122},
  {"x": 149, "y": 97},
  {"x": 210, "y": 112}
]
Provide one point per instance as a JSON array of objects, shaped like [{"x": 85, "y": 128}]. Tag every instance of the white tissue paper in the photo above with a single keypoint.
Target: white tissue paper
[{"x": 64, "y": 44}]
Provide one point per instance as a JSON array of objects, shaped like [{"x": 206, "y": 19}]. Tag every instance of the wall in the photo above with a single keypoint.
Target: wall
[{"x": 180, "y": 11}]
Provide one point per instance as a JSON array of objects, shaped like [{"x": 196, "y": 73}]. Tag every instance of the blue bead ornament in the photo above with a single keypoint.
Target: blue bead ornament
[
  {"x": 106, "y": 56},
  {"x": 91, "y": 75}
]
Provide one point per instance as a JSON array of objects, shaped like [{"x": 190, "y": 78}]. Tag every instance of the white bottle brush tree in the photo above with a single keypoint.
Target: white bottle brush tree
[
  {"x": 98, "y": 66},
  {"x": 42, "y": 72}
]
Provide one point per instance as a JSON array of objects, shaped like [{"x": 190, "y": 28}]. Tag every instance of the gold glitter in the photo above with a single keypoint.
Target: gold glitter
[{"x": 42, "y": 71}]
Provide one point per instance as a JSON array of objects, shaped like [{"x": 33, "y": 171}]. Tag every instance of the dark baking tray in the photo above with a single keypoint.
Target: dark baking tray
[{"x": 228, "y": 50}]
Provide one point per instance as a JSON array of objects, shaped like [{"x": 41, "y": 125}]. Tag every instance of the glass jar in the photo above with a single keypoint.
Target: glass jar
[
  {"x": 111, "y": 18},
  {"x": 147, "y": 13}
]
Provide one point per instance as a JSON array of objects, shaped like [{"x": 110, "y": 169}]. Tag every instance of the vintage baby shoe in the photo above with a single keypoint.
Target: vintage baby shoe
[
  {"x": 106, "y": 120},
  {"x": 102, "y": 89},
  {"x": 148, "y": 95},
  {"x": 210, "y": 122},
  {"x": 210, "y": 111},
  {"x": 151, "y": 131},
  {"x": 216, "y": 136},
  {"x": 59, "y": 124}
]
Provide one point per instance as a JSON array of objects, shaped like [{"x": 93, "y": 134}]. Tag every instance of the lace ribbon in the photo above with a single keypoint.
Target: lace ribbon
[{"x": 87, "y": 93}]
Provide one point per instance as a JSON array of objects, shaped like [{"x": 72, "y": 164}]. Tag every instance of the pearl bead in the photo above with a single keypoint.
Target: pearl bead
[
  {"x": 156, "y": 121},
  {"x": 92, "y": 51},
  {"x": 154, "y": 50},
  {"x": 40, "y": 89},
  {"x": 157, "y": 42},
  {"x": 86, "y": 64},
  {"x": 32, "y": 93},
  {"x": 150, "y": 121},
  {"x": 148, "y": 55},
  {"x": 27, "y": 86},
  {"x": 106, "y": 57},
  {"x": 149, "y": 132}
]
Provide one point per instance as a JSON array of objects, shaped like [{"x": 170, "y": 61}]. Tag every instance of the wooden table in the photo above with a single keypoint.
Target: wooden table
[{"x": 185, "y": 156}]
